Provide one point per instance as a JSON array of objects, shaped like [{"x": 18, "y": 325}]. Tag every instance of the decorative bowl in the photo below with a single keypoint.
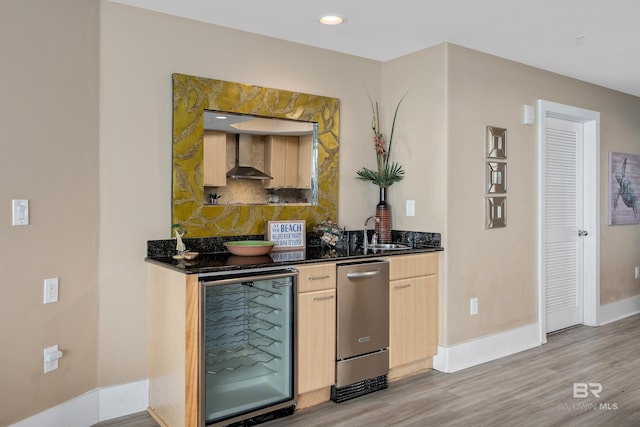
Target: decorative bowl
[
  {"x": 190, "y": 255},
  {"x": 249, "y": 247}
]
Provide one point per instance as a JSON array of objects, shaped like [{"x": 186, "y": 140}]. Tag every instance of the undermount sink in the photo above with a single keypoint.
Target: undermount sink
[{"x": 389, "y": 246}]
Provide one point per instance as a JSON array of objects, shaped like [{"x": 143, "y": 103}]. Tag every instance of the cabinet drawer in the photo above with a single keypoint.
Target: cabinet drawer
[
  {"x": 316, "y": 277},
  {"x": 405, "y": 266}
]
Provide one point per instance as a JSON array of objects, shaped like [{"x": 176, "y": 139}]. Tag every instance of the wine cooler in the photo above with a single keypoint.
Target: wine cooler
[{"x": 247, "y": 347}]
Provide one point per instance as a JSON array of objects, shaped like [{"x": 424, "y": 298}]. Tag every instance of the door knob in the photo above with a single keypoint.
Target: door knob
[{"x": 582, "y": 233}]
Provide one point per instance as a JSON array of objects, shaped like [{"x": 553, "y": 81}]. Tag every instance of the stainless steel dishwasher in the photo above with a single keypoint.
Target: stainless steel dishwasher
[{"x": 362, "y": 350}]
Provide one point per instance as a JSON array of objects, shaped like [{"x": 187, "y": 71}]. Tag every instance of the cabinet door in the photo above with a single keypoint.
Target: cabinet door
[
  {"x": 281, "y": 161},
  {"x": 291, "y": 162},
  {"x": 304, "y": 161},
  {"x": 412, "y": 319},
  {"x": 426, "y": 316},
  {"x": 316, "y": 340},
  {"x": 402, "y": 322},
  {"x": 214, "y": 162},
  {"x": 274, "y": 161}
]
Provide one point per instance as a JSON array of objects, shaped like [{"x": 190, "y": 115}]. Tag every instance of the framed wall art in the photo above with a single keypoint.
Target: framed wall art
[
  {"x": 496, "y": 178},
  {"x": 624, "y": 188},
  {"x": 496, "y": 212},
  {"x": 496, "y": 175},
  {"x": 496, "y": 143}
]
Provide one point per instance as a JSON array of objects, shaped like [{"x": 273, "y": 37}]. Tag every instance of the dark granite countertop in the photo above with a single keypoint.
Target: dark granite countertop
[{"x": 213, "y": 257}]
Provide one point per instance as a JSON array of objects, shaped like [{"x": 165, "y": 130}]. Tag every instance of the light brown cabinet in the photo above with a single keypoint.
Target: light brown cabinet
[
  {"x": 305, "y": 152},
  {"x": 281, "y": 159},
  {"x": 413, "y": 312},
  {"x": 316, "y": 331},
  {"x": 175, "y": 320},
  {"x": 214, "y": 164},
  {"x": 316, "y": 340}
]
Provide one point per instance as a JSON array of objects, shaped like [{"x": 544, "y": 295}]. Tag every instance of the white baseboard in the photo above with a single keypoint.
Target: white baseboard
[
  {"x": 123, "y": 400},
  {"x": 619, "y": 310},
  {"x": 94, "y": 406},
  {"x": 487, "y": 348}
]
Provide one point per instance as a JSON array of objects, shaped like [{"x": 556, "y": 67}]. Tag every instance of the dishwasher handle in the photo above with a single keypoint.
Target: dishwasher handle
[{"x": 363, "y": 274}]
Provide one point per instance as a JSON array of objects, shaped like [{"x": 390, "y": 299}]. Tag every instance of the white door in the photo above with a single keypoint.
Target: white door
[
  {"x": 563, "y": 223},
  {"x": 568, "y": 216}
]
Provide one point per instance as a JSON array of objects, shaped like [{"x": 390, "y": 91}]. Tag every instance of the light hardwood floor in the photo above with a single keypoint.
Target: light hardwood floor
[{"x": 531, "y": 388}]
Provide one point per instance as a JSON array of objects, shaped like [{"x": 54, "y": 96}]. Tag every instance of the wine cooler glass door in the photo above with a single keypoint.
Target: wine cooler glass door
[{"x": 247, "y": 345}]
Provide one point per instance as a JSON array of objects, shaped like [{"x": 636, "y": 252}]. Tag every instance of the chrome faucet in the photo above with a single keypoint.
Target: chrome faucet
[{"x": 365, "y": 240}]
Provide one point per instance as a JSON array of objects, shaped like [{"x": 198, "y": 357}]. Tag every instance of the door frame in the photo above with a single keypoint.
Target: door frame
[{"x": 591, "y": 180}]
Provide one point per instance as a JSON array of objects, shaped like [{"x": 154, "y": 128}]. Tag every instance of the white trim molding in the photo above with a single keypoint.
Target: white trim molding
[
  {"x": 94, "y": 406},
  {"x": 619, "y": 310},
  {"x": 487, "y": 348}
]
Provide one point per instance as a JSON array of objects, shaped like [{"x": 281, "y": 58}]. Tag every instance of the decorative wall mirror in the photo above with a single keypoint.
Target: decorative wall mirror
[{"x": 205, "y": 201}]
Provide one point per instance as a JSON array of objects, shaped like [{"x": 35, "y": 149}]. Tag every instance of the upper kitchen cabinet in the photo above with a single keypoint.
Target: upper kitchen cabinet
[
  {"x": 305, "y": 166},
  {"x": 214, "y": 159},
  {"x": 288, "y": 159}
]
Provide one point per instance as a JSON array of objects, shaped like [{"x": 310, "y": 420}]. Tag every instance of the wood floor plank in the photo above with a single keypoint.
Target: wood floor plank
[
  {"x": 139, "y": 419},
  {"x": 532, "y": 388}
]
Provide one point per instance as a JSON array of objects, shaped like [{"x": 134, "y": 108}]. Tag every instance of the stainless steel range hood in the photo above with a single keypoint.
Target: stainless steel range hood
[{"x": 242, "y": 170}]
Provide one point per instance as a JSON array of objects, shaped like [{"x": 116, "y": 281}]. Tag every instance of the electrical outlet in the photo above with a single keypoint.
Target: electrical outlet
[
  {"x": 50, "y": 290},
  {"x": 473, "y": 306},
  {"x": 51, "y": 356}
]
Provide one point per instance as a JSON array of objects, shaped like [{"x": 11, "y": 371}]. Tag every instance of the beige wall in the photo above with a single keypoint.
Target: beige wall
[
  {"x": 139, "y": 52},
  {"x": 499, "y": 266},
  {"x": 49, "y": 122},
  {"x": 68, "y": 164},
  {"x": 420, "y": 145}
]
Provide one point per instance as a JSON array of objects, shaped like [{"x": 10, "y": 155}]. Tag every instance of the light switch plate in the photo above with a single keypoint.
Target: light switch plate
[
  {"x": 20, "y": 212},
  {"x": 473, "y": 306},
  {"x": 50, "y": 290},
  {"x": 528, "y": 115},
  {"x": 411, "y": 207}
]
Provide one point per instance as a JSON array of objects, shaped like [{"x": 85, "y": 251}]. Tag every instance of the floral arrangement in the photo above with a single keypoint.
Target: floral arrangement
[{"x": 388, "y": 172}]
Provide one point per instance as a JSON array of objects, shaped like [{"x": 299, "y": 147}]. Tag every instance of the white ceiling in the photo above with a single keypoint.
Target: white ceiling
[{"x": 591, "y": 40}]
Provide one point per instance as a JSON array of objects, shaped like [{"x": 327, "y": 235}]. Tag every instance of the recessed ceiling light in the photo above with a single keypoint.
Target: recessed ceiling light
[
  {"x": 221, "y": 117},
  {"x": 331, "y": 20}
]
